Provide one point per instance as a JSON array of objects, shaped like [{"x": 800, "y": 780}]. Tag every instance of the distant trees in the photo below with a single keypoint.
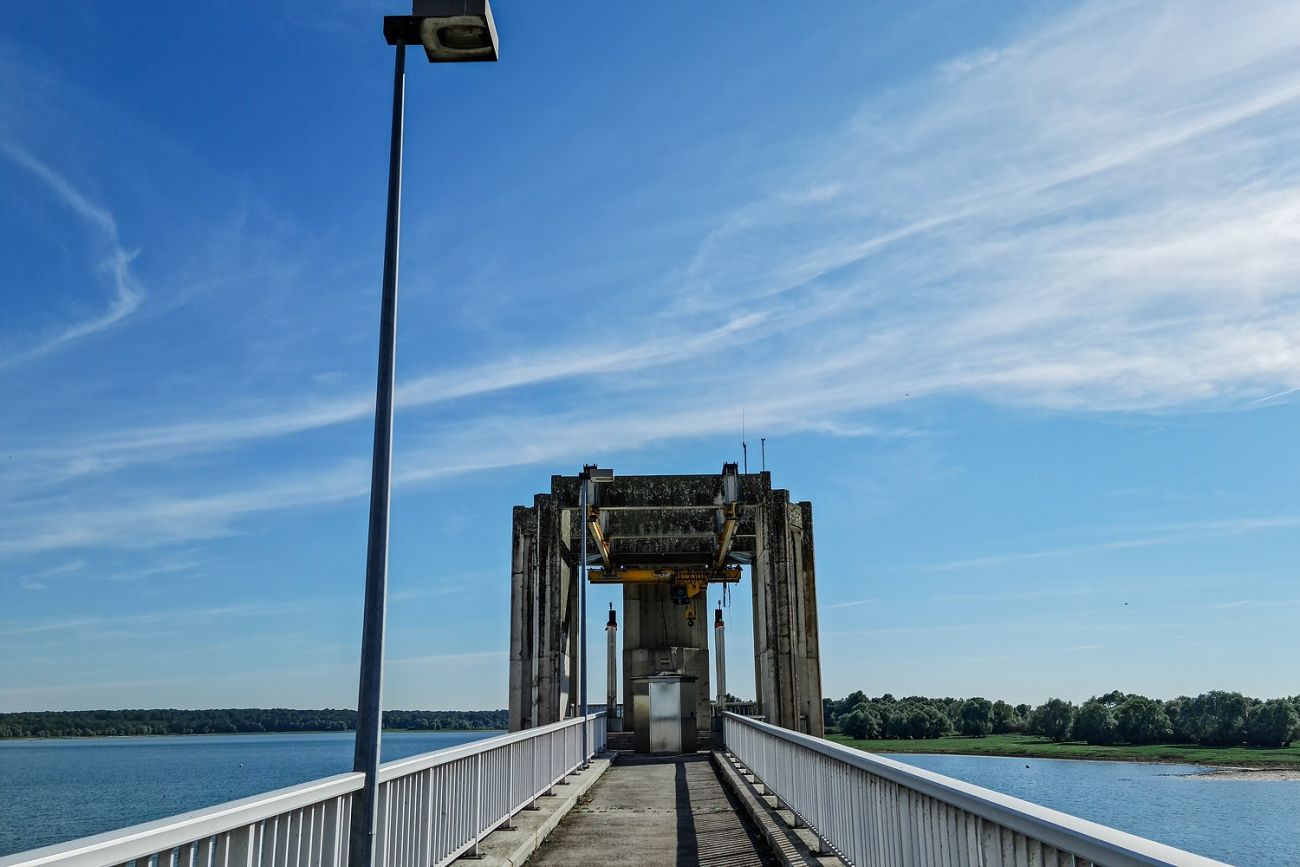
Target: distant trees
[
  {"x": 1218, "y": 719},
  {"x": 93, "y": 723},
  {"x": 1141, "y": 720},
  {"x": 1054, "y": 719},
  {"x": 1008, "y": 719},
  {"x": 1095, "y": 723},
  {"x": 1273, "y": 723},
  {"x": 1210, "y": 719},
  {"x": 863, "y": 722},
  {"x": 976, "y": 715}
]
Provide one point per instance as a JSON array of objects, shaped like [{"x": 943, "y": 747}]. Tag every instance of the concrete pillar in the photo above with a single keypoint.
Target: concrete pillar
[
  {"x": 543, "y": 617},
  {"x": 786, "y": 663},
  {"x": 523, "y": 620},
  {"x": 810, "y": 675}
]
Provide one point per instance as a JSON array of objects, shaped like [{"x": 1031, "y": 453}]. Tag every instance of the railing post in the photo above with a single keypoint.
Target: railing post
[
  {"x": 509, "y": 824},
  {"x": 478, "y": 804}
]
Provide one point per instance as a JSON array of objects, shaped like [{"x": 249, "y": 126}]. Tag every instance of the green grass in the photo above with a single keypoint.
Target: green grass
[{"x": 1032, "y": 746}]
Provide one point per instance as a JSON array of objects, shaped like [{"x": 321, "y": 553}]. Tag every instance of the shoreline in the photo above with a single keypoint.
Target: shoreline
[
  {"x": 1275, "y": 775},
  {"x": 1214, "y": 767},
  {"x": 239, "y": 734},
  {"x": 1228, "y": 766}
]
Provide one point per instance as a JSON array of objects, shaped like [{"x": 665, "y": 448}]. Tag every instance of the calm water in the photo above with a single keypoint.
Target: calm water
[
  {"x": 1245, "y": 822},
  {"x": 56, "y": 790}
]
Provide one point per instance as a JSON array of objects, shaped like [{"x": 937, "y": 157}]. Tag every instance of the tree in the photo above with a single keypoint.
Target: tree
[
  {"x": 1180, "y": 719},
  {"x": 976, "y": 717},
  {"x": 1095, "y": 723},
  {"x": 1054, "y": 719},
  {"x": 927, "y": 721},
  {"x": 862, "y": 723},
  {"x": 1272, "y": 724},
  {"x": 1006, "y": 719},
  {"x": 1218, "y": 719},
  {"x": 1142, "y": 720},
  {"x": 896, "y": 721}
]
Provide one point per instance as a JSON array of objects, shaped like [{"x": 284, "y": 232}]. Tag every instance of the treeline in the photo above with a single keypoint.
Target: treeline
[
  {"x": 1214, "y": 719},
  {"x": 100, "y": 723}
]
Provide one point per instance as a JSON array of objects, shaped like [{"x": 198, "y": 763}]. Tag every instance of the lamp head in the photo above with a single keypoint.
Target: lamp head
[{"x": 451, "y": 31}]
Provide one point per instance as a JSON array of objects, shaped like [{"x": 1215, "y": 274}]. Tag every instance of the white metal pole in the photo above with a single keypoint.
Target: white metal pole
[
  {"x": 611, "y": 665},
  {"x": 719, "y": 641}
]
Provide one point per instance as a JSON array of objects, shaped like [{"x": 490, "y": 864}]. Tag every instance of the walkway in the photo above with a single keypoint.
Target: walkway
[{"x": 655, "y": 812}]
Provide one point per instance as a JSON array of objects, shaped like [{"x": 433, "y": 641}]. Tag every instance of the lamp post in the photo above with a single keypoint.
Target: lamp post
[
  {"x": 590, "y": 476},
  {"x": 450, "y": 31}
]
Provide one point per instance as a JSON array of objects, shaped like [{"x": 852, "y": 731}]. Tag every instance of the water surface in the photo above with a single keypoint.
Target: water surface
[
  {"x": 1240, "y": 821},
  {"x": 60, "y": 789},
  {"x": 56, "y": 790}
]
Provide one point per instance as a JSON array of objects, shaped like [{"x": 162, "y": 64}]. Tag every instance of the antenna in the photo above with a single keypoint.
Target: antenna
[
  {"x": 744, "y": 446},
  {"x": 763, "y": 445}
]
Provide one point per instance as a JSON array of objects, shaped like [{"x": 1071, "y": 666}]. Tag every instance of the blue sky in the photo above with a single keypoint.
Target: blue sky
[{"x": 1014, "y": 298}]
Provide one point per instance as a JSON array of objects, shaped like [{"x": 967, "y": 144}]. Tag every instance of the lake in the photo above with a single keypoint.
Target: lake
[
  {"x": 1245, "y": 822},
  {"x": 61, "y": 789},
  {"x": 55, "y": 790}
]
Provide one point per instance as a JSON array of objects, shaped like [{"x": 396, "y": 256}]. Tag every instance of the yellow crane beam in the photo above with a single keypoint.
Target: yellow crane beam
[
  {"x": 668, "y": 575},
  {"x": 598, "y": 534},
  {"x": 729, "y": 522}
]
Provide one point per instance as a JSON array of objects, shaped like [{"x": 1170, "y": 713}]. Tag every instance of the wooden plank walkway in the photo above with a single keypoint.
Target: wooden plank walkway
[{"x": 655, "y": 812}]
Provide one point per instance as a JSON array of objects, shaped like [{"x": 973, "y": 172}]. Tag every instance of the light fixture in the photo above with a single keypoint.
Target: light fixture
[{"x": 451, "y": 31}]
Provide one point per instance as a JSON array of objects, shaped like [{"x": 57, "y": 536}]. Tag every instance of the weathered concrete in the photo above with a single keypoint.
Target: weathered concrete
[
  {"x": 794, "y": 845},
  {"x": 669, "y": 522},
  {"x": 655, "y": 812},
  {"x": 513, "y": 846},
  {"x": 657, "y": 638},
  {"x": 786, "y": 654}
]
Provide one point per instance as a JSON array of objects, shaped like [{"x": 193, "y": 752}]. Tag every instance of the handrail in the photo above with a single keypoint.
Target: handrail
[
  {"x": 870, "y": 809},
  {"x": 432, "y": 809},
  {"x": 126, "y": 844}
]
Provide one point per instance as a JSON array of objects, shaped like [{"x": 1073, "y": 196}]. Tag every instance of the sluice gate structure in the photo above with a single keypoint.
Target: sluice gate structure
[
  {"x": 667, "y": 540},
  {"x": 751, "y": 790}
]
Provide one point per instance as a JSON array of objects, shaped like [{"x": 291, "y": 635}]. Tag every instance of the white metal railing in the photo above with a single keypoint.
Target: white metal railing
[
  {"x": 432, "y": 809},
  {"x": 740, "y": 708},
  {"x": 870, "y": 810}
]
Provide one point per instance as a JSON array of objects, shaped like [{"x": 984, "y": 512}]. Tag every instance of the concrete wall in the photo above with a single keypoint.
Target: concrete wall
[
  {"x": 663, "y": 522},
  {"x": 543, "y": 617},
  {"x": 656, "y": 639},
  {"x": 787, "y": 664}
]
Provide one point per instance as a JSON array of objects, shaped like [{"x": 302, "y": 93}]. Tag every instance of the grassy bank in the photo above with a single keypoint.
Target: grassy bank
[{"x": 1032, "y": 746}]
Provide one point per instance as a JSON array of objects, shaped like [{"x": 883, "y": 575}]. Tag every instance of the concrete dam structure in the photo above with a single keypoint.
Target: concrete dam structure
[
  {"x": 667, "y": 539},
  {"x": 719, "y": 787}
]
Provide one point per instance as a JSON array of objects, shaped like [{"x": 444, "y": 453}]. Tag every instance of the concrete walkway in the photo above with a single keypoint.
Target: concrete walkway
[{"x": 655, "y": 811}]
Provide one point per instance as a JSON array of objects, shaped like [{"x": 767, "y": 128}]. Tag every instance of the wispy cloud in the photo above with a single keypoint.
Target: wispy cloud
[
  {"x": 1082, "y": 648},
  {"x": 81, "y": 623},
  {"x": 1160, "y": 535},
  {"x": 1026, "y": 226},
  {"x": 114, "y": 263},
  {"x": 853, "y": 604}
]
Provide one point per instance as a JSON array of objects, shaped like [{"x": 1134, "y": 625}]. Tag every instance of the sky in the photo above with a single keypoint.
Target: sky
[{"x": 1011, "y": 292}]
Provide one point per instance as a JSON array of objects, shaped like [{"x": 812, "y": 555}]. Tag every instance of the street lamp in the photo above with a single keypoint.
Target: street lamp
[
  {"x": 590, "y": 476},
  {"x": 450, "y": 31}
]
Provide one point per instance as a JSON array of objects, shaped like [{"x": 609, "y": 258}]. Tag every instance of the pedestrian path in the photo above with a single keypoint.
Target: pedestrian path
[{"x": 655, "y": 811}]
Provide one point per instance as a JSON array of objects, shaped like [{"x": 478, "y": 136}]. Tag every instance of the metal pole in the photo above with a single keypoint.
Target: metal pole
[
  {"x": 582, "y": 613},
  {"x": 611, "y": 667},
  {"x": 361, "y": 839},
  {"x": 719, "y": 639}
]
